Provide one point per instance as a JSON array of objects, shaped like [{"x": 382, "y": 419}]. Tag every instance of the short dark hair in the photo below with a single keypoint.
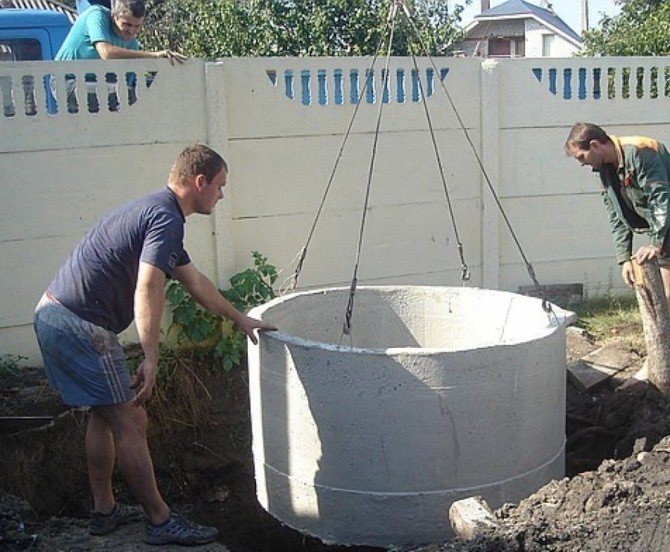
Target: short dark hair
[
  {"x": 194, "y": 160},
  {"x": 581, "y": 135},
  {"x": 135, "y": 7}
]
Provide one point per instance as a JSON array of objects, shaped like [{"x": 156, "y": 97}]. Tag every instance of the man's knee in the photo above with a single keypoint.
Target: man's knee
[
  {"x": 125, "y": 419},
  {"x": 139, "y": 418}
]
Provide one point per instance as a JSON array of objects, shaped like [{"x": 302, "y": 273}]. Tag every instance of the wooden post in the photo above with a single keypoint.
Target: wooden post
[{"x": 655, "y": 321}]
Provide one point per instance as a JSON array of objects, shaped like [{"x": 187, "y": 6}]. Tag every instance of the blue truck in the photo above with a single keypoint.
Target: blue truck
[{"x": 29, "y": 35}]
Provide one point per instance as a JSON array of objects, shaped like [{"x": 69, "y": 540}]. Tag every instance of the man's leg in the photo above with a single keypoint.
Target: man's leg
[
  {"x": 128, "y": 424},
  {"x": 100, "y": 456}
]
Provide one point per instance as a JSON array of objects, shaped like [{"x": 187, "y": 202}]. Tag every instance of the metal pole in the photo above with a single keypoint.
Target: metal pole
[{"x": 585, "y": 15}]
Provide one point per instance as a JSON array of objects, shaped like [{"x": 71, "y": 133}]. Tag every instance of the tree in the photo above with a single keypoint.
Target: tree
[
  {"x": 224, "y": 28},
  {"x": 641, "y": 29}
]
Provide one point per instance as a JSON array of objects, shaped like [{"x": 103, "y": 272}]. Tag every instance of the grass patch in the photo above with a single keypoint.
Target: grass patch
[
  {"x": 9, "y": 364},
  {"x": 609, "y": 318}
]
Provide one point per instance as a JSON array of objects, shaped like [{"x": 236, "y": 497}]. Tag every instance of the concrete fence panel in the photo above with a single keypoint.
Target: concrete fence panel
[{"x": 79, "y": 138}]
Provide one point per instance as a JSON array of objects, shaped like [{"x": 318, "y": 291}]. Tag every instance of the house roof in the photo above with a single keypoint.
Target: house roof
[
  {"x": 51, "y": 5},
  {"x": 520, "y": 7}
]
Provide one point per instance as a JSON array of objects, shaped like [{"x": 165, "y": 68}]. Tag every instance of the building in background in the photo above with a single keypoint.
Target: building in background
[{"x": 517, "y": 29}]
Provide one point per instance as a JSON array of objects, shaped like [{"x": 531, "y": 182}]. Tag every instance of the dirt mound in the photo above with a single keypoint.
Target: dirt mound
[
  {"x": 618, "y": 498},
  {"x": 623, "y": 505}
]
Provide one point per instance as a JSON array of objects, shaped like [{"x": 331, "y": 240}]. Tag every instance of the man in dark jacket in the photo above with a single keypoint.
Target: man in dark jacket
[{"x": 635, "y": 173}]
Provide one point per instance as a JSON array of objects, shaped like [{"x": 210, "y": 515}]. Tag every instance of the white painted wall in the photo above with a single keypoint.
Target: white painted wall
[
  {"x": 60, "y": 172},
  {"x": 535, "y": 32}
]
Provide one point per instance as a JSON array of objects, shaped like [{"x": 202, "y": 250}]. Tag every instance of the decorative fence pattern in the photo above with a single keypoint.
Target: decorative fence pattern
[
  {"x": 45, "y": 93},
  {"x": 400, "y": 86},
  {"x": 607, "y": 82}
]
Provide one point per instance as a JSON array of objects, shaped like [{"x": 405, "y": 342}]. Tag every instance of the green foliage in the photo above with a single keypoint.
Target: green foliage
[
  {"x": 253, "y": 286},
  {"x": 9, "y": 364},
  {"x": 641, "y": 29},
  {"x": 205, "y": 331},
  {"x": 229, "y": 28}
]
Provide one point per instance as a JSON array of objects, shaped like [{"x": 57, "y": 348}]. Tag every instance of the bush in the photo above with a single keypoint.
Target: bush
[{"x": 207, "y": 333}]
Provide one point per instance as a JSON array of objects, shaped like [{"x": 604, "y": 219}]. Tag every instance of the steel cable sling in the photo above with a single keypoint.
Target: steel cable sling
[
  {"x": 388, "y": 31},
  {"x": 529, "y": 267},
  {"x": 303, "y": 252},
  {"x": 346, "y": 326},
  {"x": 465, "y": 272},
  {"x": 465, "y": 275}
]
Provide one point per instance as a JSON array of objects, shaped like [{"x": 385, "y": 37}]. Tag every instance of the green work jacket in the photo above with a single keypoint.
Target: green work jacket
[{"x": 637, "y": 192}]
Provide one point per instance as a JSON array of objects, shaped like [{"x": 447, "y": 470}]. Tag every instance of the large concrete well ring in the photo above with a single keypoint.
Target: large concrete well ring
[{"x": 439, "y": 393}]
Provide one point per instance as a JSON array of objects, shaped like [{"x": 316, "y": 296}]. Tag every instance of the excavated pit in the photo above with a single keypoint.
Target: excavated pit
[{"x": 439, "y": 393}]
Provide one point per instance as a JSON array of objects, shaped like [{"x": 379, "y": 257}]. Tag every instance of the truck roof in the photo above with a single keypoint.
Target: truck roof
[{"x": 13, "y": 18}]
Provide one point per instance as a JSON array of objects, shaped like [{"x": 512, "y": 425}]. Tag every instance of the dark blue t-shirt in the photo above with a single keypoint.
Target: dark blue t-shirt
[{"x": 97, "y": 281}]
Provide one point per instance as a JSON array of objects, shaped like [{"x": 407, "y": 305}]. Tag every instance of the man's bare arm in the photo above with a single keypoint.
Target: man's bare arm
[
  {"x": 149, "y": 301},
  {"x": 205, "y": 293},
  {"x": 110, "y": 51}
]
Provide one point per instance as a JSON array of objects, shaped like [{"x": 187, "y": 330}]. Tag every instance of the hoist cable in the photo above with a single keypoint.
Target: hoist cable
[
  {"x": 346, "y": 326},
  {"x": 465, "y": 272},
  {"x": 303, "y": 252},
  {"x": 529, "y": 267}
]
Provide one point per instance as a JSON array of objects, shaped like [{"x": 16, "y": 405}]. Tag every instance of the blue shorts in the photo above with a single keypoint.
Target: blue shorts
[{"x": 84, "y": 362}]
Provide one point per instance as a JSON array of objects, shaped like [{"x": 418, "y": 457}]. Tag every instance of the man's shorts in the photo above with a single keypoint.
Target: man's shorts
[{"x": 85, "y": 362}]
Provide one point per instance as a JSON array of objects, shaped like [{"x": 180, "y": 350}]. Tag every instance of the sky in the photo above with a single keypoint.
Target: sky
[{"x": 569, "y": 11}]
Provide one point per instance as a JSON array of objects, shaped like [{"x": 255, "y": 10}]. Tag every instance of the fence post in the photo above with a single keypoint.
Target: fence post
[
  {"x": 217, "y": 138},
  {"x": 490, "y": 155}
]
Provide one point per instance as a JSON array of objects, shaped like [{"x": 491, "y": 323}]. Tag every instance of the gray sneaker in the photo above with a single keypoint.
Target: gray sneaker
[
  {"x": 179, "y": 530},
  {"x": 101, "y": 524}
]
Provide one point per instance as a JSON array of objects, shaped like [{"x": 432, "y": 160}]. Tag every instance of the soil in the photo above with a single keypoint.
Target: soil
[{"x": 616, "y": 495}]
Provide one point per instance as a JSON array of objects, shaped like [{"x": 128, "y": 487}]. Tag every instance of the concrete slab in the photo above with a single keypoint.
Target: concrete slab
[{"x": 600, "y": 365}]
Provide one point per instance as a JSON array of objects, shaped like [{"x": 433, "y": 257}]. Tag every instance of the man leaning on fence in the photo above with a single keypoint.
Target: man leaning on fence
[
  {"x": 115, "y": 274},
  {"x": 100, "y": 33},
  {"x": 635, "y": 174}
]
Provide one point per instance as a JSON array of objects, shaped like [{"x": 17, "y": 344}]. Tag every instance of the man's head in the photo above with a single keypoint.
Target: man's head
[
  {"x": 590, "y": 145},
  {"x": 198, "y": 177},
  {"x": 127, "y": 17}
]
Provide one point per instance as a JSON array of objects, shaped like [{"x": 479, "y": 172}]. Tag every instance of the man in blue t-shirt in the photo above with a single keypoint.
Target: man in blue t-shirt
[
  {"x": 100, "y": 33},
  {"x": 117, "y": 273}
]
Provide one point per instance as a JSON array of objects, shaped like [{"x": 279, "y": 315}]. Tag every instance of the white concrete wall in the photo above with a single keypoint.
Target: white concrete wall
[{"x": 61, "y": 171}]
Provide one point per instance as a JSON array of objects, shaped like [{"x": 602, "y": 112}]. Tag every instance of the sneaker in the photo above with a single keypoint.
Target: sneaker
[
  {"x": 103, "y": 524},
  {"x": 179, "y": 530}
]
